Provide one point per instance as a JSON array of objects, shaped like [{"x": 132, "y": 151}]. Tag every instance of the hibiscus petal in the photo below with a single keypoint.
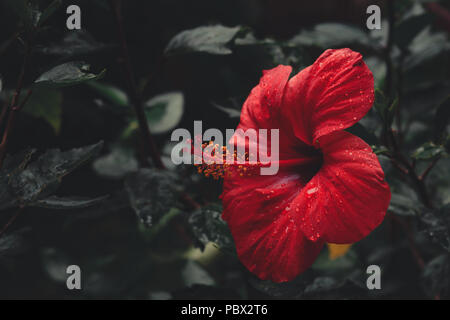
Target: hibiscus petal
[
  {"x": 262, "y": 110},
  {"x": 332, "y": 94},
  {"x": 348, "y": 197},
  {"x": 266, "y": 231},
  {"x": 262, "y": 105}
]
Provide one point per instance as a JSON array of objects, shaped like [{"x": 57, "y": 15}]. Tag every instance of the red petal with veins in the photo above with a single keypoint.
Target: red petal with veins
[
  {"x": 266, "y": 230},
  {"x": 262, "y": 110},
  {"x": 332, "y": 94},
  {"x": 348, "y": 197}
]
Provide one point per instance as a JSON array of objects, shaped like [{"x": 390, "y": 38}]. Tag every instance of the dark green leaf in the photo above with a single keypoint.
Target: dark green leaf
[
  {"x": 284, "y": 289},
  {"x": 111, "y": 93},
  {"x": 424, "y": 47},
  {"x": 436, "y": 277},
  {"x": 332, "y": 35},
  {"x": 403, "y": 206},
  {"x": 428, "y": 151},
  {"x": 163, "y": 113},
  {"x": 380, "y": 150},
  {"x": 28, "y": 183},
  {"x": 67, "y": 74},
  {"x": 152, "y": 193},
  {"x": 207, "y": 226},
  {"x": 46, "y": 104},
  {"x": 330, "y": 288},
  {"x": 409, "y": 28},
  {"x": 155, "y": 230},
  {"x": 437, "y": 225},
  {"x": 12, "y": 243},
  {"x": 12, "y": 166},
  {"x": 116, "y": 164},
  {"x": 75, "y": 43},
  {"x": 67, "y": 203},
  {"x": 209, "y": 39}
]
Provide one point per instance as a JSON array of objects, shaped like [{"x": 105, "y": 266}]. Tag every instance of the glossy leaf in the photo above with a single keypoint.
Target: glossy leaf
[
  {"x": 207, "y": 39},
  {"x": 207, "y": 225},
  {"x": 428, "y": 151},
  {"x": 67, "y": 74},
  {"x": 24, "y": 182},
  {"x": 152, "y": 193},
  {"x": 67, "y": 203}
]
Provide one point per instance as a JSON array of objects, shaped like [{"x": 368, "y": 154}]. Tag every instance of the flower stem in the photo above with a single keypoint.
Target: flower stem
[
  {"x": 147, "y": 137},
  {"x": 12, "y": 110},
  {"x": 144, "y": 129}
]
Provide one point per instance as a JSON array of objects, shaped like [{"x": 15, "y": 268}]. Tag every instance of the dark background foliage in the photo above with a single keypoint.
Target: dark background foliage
[{"x": 152, "y": 236}]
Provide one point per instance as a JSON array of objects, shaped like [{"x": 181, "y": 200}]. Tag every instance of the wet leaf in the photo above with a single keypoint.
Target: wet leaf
[
  {"x": 116, "y": 164},
  {"x": 66, "y": 203},
  {"x": 206, "y": 39},
  {"x": 23, "y": 183},
  {"x": 207, "y": 226},
  {"x": 152, "y": 193},
  {"x": 74, "y": 44},
  {"x": 332, "y": 35},
  {"x": 67, "y": 74},
  {"x": 428, "y": 151},
  {"x": 437, "y": 226}
]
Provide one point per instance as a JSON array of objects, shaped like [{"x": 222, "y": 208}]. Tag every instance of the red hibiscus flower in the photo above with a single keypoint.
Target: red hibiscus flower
[{"x": 330, "y": 186}]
